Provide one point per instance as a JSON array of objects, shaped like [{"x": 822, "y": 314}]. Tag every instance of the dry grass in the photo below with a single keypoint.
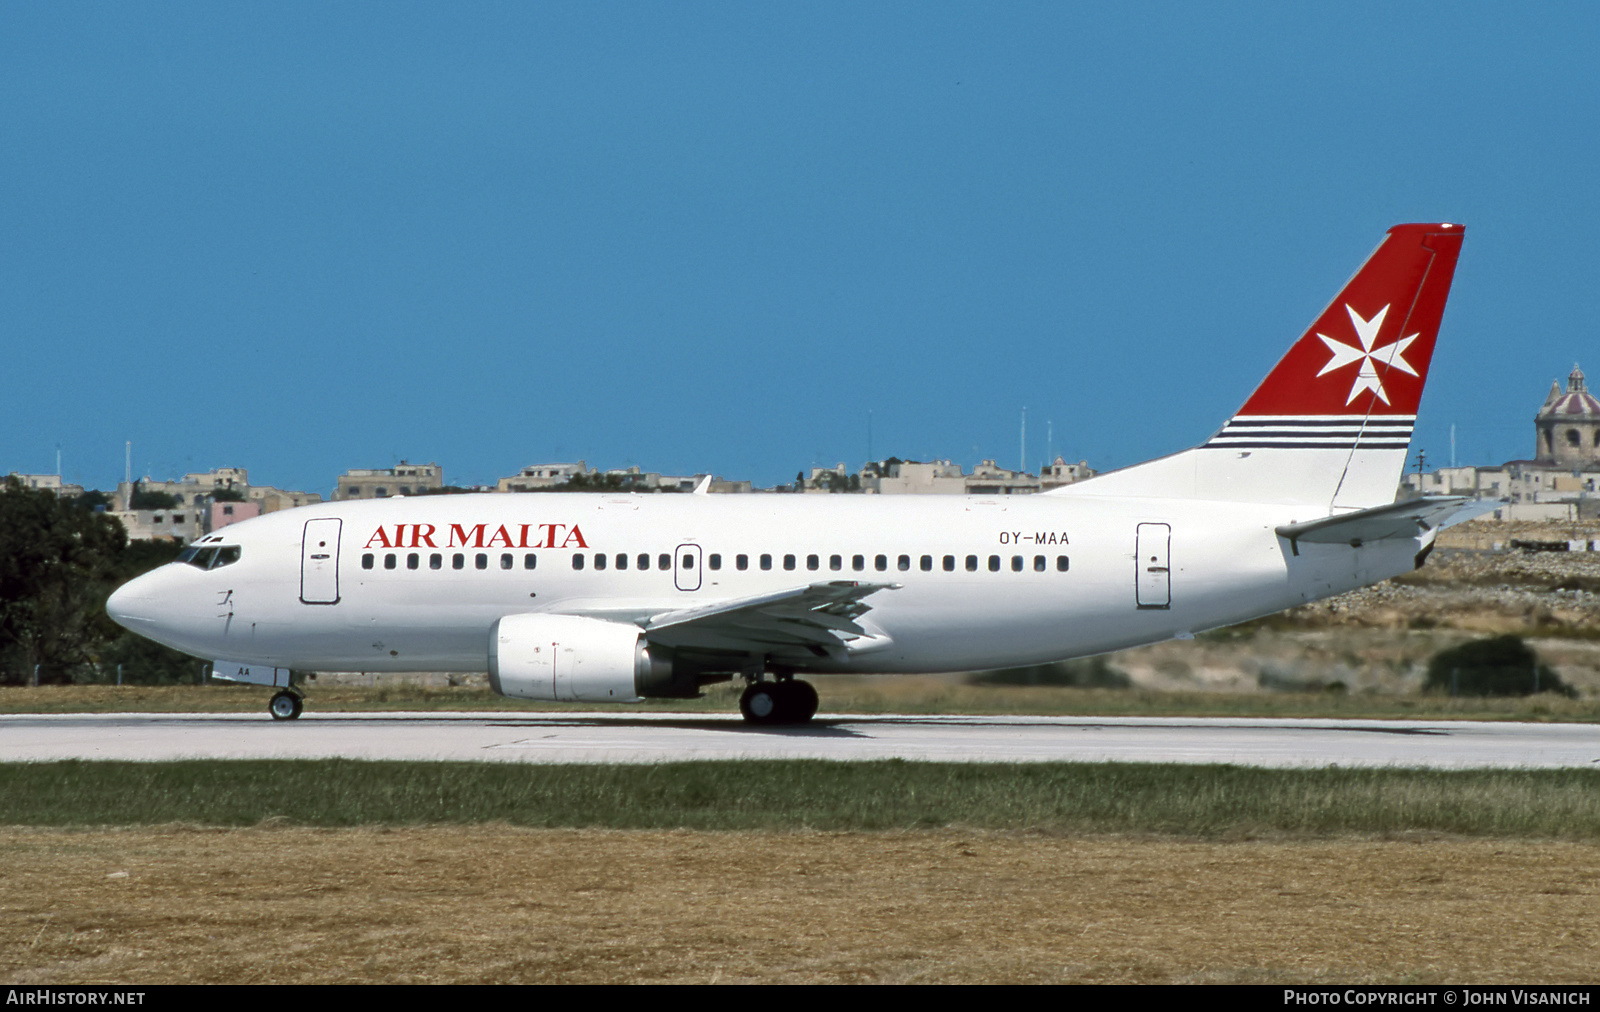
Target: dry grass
[{"x": 503, "y": 905}]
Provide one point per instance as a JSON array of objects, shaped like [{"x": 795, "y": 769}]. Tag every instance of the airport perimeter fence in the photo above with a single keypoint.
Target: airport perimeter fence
[{"x": 191, "y": 672}]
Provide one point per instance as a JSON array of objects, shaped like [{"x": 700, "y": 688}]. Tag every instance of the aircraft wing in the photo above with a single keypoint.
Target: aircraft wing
[
  {"x": 819, "y": 617},
  {"x": 1404, "y": 519}
]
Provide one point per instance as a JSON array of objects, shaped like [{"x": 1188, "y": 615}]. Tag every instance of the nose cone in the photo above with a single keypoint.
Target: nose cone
[
  {"x": 173, "y": 605},
  {"x": 129, "y": 604}
]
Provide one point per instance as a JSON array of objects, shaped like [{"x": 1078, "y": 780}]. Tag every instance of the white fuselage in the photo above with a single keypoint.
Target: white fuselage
[{"x": 416, "y": 584}]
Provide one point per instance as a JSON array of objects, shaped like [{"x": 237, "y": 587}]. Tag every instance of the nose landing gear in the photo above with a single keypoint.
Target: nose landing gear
[
  {"x": 285, "y": 705},
  {"x": 786, "y": 701}
]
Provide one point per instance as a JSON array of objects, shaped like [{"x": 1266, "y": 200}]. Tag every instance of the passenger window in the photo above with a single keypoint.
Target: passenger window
[
  {"x": 577, "y": 560},
  {"x": 766, "y": 562},
  {"x": 904, "y": 563},
  {"x": 880, "y": 562},
  {"x": 813, "y": 563},
  {"x": 1038, "y": 563},
  {"x": 972, "y": 563},
  {"x": 927, "y": 563},
  {"x": 506, "y": 560},
  {"x": 741, "y": 562},
  {"x": 481, "y": 560},
  {"x": 715, "y": 561},
  {"x": 599, "y": 560},
  {"x": 1061, "y": 563},
  {"x": 835, "y": 562},
  {"x": 688, "y": 562},
  {"x": 994, "y": 563},
  {"x": 1016, "y": 563},
  {"x": 366, "y": 561},
  {"x": 458, "y": 561},
  {"x": 530, "y": 561},
  {"x": 435, "y": 561},
  {"x": 858, "y": 562},
  {"x": 413, "y": 560},
  {"x": 389, "y": 561},
  {"x": 622, "y": 560},
  {"x": 643, "y": 560},
  {"x": 664, "y": 561},
  {"x": 788, "y": 562},
  {"x": 949, "y": 563}
]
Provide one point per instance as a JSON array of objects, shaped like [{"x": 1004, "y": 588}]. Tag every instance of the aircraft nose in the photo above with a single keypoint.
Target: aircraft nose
[{"x": 129, "y": 604}]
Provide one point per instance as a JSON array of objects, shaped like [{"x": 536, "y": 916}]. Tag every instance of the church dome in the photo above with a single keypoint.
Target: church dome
[{"x": 1576, "y": 403}]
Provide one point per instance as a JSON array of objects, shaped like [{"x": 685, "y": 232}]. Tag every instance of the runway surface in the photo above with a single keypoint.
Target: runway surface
[{"x": 524, "y": 736}]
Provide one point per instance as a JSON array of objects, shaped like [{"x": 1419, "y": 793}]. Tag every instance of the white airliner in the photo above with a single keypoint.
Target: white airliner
[{"x": 619, "y": 597}]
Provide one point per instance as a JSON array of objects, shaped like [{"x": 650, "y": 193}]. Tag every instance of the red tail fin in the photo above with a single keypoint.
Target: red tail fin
[
  {"x": 1330, "y": 424},
  {"x": 1368, "y": 353}
]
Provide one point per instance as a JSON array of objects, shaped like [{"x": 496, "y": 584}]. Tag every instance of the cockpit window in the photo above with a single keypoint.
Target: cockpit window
[{"x": 209, "y": 558}]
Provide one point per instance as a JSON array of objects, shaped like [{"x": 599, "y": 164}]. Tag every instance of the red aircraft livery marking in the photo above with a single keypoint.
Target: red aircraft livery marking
[{"x": 478, "y": 536}]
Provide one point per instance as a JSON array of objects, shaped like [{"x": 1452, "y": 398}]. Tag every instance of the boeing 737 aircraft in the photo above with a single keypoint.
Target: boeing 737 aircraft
[{"x": 612, "y": 598}]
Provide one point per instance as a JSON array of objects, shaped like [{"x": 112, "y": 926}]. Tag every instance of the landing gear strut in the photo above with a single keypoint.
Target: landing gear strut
[
  {"x": 286, "y": 705},
  {"x": 787, "y": 701}
]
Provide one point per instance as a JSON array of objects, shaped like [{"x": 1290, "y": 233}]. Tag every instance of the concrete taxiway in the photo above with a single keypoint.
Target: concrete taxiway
[{"x": 525, "y": 736}]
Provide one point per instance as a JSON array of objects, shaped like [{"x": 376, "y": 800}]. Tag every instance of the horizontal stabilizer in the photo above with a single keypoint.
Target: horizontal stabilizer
[{"x": 1405, "y": 519}]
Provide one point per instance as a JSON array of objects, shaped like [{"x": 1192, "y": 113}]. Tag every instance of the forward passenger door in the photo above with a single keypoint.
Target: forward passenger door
[{"x": 319, "y": 562}]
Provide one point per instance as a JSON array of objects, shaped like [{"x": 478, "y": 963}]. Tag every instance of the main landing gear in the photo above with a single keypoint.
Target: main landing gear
[
  {"x": 286, "y": 705},
  {"x": 786, "y": 701}
]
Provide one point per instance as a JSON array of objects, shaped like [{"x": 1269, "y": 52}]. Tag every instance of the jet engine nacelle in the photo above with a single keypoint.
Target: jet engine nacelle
[{"x": 568, "y": 657}]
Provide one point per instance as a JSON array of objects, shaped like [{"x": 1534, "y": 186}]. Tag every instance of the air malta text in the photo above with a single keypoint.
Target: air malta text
[{"x": 478, "y": 536}]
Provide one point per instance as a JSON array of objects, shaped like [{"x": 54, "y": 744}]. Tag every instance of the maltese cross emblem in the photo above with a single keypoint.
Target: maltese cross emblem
[{"x": 1367, "y": 377}]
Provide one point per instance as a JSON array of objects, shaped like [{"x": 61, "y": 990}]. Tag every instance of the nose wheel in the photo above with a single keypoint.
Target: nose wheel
[
  {"x": 786, "y": 702},
  {"x": 285, "y": 705}
]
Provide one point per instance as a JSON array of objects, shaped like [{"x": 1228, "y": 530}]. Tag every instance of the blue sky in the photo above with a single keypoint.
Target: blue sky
[{"x": 303, "y": 237}]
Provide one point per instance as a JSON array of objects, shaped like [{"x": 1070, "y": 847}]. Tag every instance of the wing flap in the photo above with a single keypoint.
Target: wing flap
[{"x": 819, "y": 615}]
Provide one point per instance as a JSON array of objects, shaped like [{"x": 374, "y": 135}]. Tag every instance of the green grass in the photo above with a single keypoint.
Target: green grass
[
  {"x": 840, "y": 694},
  {"x": 1189, "y": 801}
]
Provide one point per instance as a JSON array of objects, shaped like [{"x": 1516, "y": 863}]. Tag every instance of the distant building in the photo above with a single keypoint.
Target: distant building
[
  {"x": 48, "y": 482},
  {"x": 182, "y": 525},
  {"x": 221, "y": 514},
  {"x": 537, "y": 476},
  {"x": 941, "y": 477},
  {"x": 192, "y": 489},
  {"x": 383, "y": 482},
  {"x": 1559, "y": 483},
  {"x": 196, "y": 511},
  {"x": 1062, "y": 473},
  {"x": 913, "y": 477},
  {"x": 543, "y": 476},
  {"x": 989, "y": 478},
  {"x": 1568, "y": 426}
]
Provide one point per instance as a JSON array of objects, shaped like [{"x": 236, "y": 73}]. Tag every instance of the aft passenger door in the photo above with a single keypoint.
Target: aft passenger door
[
  {"x": 1153, "y": 579},
  {"x": 319, "y": 562}
]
